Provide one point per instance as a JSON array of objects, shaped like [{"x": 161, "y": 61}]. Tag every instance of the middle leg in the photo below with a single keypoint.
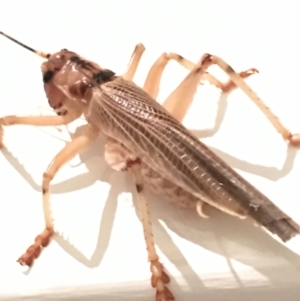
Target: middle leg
[{"x": 159, "y": 278}]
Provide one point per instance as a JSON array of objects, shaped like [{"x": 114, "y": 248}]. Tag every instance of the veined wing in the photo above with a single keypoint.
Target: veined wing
[{"x": 126, "y": 113}]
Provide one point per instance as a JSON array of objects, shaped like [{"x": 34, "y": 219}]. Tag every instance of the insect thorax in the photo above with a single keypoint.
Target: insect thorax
[{"x": 68, "y": 76}]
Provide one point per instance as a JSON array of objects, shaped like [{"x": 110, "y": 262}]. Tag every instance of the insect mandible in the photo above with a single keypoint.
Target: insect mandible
[{"x": 149, "y": 140}]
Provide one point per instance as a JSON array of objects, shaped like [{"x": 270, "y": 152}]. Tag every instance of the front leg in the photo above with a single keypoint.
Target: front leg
[
  {"x": 90, "y": 133},
  {"x": 38, "y": 121}
]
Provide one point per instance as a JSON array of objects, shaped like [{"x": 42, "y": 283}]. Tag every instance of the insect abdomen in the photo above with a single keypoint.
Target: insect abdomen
[
  {"x": 166, "y": 189},
  {"x": 120, "y": 159}
]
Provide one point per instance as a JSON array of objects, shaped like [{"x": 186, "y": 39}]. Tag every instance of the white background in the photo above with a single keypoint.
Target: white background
[{"x": 101, "y": 255}]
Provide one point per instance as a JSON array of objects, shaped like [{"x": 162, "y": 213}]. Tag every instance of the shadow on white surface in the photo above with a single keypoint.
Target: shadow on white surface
[
  {"x": 233, "y": 239},
  {"x": 265, "y": 294},
  {"x": 219, "y": 259}
]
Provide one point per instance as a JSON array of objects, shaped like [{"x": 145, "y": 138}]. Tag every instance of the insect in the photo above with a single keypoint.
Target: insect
[{"x": 149, "y": 141}]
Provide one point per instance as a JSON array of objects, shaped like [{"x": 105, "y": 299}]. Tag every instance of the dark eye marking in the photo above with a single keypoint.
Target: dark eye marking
[
  {"x": 64, "y": 49},
  {"x": 47, "y": 76}
]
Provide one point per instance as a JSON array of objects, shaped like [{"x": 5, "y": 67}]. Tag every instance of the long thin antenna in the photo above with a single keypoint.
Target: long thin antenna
[{"x": 40, "y": 53}]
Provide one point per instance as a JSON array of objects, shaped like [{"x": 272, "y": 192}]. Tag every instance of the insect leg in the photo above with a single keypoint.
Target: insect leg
[
  {"x": 1, "y": 136},
  {"x": 152, "y": 82},
  {"x": 90, "y": 133},
  {"x": 37, "y": 121},
  {"x": 134, "y": 61},
  {"x": 184, "y": 93},
  {"x": 159, "y": 277},
  {"x": 40, "y": 120},
  {"x": 294, "y": 139}
]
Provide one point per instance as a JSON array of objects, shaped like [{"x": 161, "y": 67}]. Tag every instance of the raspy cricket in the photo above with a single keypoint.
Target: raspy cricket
[{"x": 149, "y": 141}]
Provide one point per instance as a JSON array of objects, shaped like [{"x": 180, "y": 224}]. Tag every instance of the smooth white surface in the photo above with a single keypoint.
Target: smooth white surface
[{"x": 101, "y": 255}]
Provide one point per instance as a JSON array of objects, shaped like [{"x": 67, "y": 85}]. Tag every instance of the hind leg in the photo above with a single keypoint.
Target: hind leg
[{"x": 181, "y": 98}]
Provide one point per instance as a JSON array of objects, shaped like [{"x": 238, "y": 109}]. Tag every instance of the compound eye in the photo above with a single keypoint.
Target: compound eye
[{"x": 47, "y": 76}]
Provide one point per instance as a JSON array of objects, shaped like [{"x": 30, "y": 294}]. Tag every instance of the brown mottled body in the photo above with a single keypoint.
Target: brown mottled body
[
  {"x": 120, "y": 159},
  {"x": 170, "y": 192},
  {"x": 150, "y": 141}
]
